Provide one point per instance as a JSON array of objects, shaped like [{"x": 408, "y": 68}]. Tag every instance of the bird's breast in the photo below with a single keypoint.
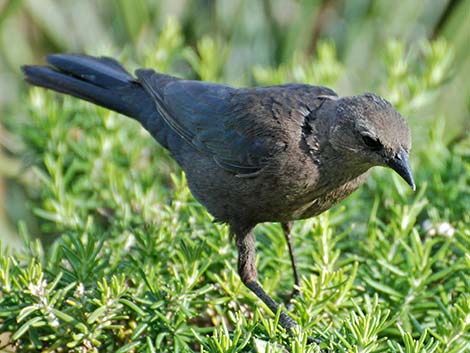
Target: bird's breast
[
  {"x": 329, "y": 198},
  {"x": 291, "y": 187}
]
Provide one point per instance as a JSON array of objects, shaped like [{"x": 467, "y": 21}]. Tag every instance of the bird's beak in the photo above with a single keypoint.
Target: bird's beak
[{"x": 400, "y": 164}]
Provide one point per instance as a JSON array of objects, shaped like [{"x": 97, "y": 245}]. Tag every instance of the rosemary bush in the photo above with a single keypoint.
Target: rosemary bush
[{"x": 135, "y": 264}]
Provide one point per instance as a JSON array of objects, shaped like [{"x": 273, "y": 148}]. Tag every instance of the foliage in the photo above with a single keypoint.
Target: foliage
[{"x": 138, "y": 266}]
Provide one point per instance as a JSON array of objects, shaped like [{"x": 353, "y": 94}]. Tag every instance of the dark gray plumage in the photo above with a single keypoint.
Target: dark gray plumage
[{"x": 251, "y": 155}]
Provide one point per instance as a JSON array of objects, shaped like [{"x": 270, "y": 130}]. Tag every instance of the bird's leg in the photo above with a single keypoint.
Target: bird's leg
[
  {"x": 286, "y": 227},
  {"x": 249, "y": 274}
]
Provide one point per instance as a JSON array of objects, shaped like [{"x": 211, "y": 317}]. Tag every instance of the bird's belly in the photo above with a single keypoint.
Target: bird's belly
[
  {"x": 230, "y": 199},
  {"x": 288, "y": 210},
  {"x": 276, "y": 195}
]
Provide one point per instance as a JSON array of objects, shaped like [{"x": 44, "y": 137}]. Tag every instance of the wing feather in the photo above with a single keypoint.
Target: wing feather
[
  {"x": 224, "y": 122},
  {"x": 203, "y": 115}
]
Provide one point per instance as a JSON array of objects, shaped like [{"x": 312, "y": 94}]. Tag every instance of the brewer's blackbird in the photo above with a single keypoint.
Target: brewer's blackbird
[{"x": 251, "y": 155}]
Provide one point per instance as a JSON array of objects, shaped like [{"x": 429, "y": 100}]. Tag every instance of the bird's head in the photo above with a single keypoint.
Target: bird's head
[{"x": 371, "y": 132}]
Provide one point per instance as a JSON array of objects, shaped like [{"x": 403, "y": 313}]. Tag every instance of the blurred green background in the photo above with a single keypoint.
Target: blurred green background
[{"x": 248, "y": 34}]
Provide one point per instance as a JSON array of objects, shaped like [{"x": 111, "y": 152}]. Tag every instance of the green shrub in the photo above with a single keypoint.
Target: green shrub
[{"x": 137, "y": 265}]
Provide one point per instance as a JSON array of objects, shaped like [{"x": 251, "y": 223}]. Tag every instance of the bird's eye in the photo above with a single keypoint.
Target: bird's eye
[{"x": 371, "y": 142}]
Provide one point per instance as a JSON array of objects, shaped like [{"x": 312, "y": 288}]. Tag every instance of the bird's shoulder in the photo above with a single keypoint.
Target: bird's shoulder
[
  {"x": 296, "y": 107},
  {"x": 287, "y": 102}
]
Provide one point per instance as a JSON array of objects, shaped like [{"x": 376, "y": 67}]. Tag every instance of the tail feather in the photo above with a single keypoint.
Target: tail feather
[
  {"x": 104, "y": 72},
  {"x": 102, "y": 81}
]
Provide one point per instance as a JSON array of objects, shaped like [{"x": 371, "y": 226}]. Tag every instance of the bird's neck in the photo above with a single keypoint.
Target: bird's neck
[{"x": 339, "y": 169}]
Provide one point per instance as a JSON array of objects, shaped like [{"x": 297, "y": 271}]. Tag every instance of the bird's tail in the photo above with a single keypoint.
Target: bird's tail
[{"x": 102, "y": 81}]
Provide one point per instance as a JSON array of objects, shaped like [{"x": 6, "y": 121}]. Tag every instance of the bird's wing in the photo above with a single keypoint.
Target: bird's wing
[{"x": 206, "y": 116}]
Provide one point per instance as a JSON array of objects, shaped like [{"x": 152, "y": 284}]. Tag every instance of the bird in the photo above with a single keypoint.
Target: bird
[{"x": 251, "y": 155}]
